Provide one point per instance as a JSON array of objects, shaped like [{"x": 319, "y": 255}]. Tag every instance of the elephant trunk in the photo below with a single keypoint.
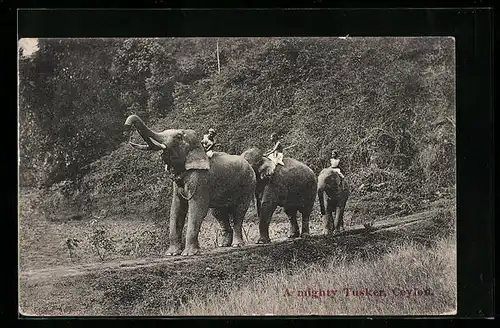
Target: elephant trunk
[
  {"x": 321, "y": 199},
  {"x": 153, "y": 139}
]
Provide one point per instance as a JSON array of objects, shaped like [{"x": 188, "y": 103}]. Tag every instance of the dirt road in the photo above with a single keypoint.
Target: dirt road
[{"x": 144, "y": 286}]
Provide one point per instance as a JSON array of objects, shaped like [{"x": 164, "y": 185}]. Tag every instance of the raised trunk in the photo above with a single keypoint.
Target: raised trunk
[{"x": 152, "y": 138}]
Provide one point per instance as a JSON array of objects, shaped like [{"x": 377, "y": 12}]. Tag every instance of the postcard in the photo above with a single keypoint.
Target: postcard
[{"x": 237, "y": 176}]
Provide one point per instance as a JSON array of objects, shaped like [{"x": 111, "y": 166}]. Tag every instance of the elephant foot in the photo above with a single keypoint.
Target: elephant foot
[
  {"x": 238, "y": 244},
  {"x": 189, "y": 251},
  {"x": 305, "y": 235},
  {"x": 173, "y": 250},
  {"x": 263, "y": 240},
  {"x": 294, "y": 234}
]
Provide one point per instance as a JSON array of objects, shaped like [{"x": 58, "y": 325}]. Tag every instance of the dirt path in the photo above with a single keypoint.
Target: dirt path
[
  {"x": 152, "y": 286},
  {"x": 64, "y": 271}
]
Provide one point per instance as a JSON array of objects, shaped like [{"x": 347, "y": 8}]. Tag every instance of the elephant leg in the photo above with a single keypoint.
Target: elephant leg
[
  {"x": 222, "y": 216},
  {"x": 238, "y": 214},
  {"x": 267, "y": 209},
  {"x": 339, "y": 219},
  {"x": 198, "y": 209},
  {"x": 328, "y": 220},
  {"x": 294, "y": 226},
  {"x": 178, "y": 212},
  {"x": 338, "y": 222},
  {"x": 327, "y": 223},
  {"x": 306, "y": 214}
]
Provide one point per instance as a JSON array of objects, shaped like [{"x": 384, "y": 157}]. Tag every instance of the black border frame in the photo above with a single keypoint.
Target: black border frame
[{"x": 473, "y": 32}]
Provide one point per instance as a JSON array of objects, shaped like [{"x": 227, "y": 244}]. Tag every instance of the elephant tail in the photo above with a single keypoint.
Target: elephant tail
[{"x": 321, "y": 199}]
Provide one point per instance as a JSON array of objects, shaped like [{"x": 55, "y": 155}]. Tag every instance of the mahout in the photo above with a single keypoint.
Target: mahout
[{"x": 291, "y": 186}]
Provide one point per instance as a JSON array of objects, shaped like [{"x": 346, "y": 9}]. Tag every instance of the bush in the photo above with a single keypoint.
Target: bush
[{"x": 372, "y": 98}]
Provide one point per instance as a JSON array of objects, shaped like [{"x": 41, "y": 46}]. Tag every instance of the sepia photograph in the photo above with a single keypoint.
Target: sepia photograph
[{"x": 237, "y": 176}]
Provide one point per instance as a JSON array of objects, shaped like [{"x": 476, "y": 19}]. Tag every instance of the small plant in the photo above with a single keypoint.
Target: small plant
[
  {"x": 100, "y": 240},
  {"x": 72, "y": 245},
  {"x": 148, "y": 242},
  {"x": 128, "y": 246}
]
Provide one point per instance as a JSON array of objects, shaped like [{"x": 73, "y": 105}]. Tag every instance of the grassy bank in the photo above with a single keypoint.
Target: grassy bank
[
  {"x": 45, "y": 243},
  {"x": 406, "y": 266},
  {"x": 167, "y": 287}
]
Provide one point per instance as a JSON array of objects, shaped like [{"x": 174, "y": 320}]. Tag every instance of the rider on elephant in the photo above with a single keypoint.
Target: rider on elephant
[
  {"x": 225, "y": 184},
  {"x": 335, "y": 162},
  {"x": 275, "y": 154},
  {"x": 292, "y": 187},
  {"x": 208, "y": 142}
]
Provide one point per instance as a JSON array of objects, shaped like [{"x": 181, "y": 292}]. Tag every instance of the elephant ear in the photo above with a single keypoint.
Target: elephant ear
[
  {"x": 196, "y": 158},
  {"x": 265, "y": 170},
  {"x": 254, "y": 156}
]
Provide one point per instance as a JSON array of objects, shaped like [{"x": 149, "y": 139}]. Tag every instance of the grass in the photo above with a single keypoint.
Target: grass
[
  {"x": 405, "y": 266},
  {"x": 237, "y": 285},
  {"x": 207, "y": 284},
  {"x": 44, "y": 243}
]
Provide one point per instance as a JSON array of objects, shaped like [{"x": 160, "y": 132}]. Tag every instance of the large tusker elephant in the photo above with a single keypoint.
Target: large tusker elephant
[
  {"x": 333, "y": 192},
  {"x": 292, "y": 186},
  {"x": 225, "y": 183}
]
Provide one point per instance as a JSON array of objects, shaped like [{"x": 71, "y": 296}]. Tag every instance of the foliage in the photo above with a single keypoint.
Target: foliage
[
  {"x": 67, "y": 111},
  {"x": 100, "y": 240},
  {"x": 386, "y": 103}
]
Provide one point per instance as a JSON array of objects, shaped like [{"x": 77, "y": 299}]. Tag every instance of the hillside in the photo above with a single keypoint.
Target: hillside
[{"x": 388, "y": 104}]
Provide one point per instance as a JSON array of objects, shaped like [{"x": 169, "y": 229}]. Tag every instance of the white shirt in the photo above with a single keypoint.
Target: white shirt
[
  {"x": 206, "y": 142},
  {"x": 334, "y": 162}
]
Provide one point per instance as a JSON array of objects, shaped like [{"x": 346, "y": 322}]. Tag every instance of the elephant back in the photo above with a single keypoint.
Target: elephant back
[
  {"x": 231, "y": 178},
  {"x": 224, "y": 166},
  {"x": 295, "y": 178},
  {"x": 294, "y": 166}
]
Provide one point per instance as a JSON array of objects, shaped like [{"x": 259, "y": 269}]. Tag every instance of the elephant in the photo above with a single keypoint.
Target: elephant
[
  {"x": 292, "y": 186},
  {"x": 333, "y": 192},
  {"x": 224, "y": 183}
]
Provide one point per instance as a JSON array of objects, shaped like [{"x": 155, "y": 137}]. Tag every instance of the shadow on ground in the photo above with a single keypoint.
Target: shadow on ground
[{"x": 148, "y": 288}]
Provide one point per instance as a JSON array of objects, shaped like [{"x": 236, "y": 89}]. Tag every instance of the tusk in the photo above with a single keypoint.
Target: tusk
[
  {"x": 156, "y": 143},
  {"x": 135, "y": 145},
  {"x": 138, "y": 146}
]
